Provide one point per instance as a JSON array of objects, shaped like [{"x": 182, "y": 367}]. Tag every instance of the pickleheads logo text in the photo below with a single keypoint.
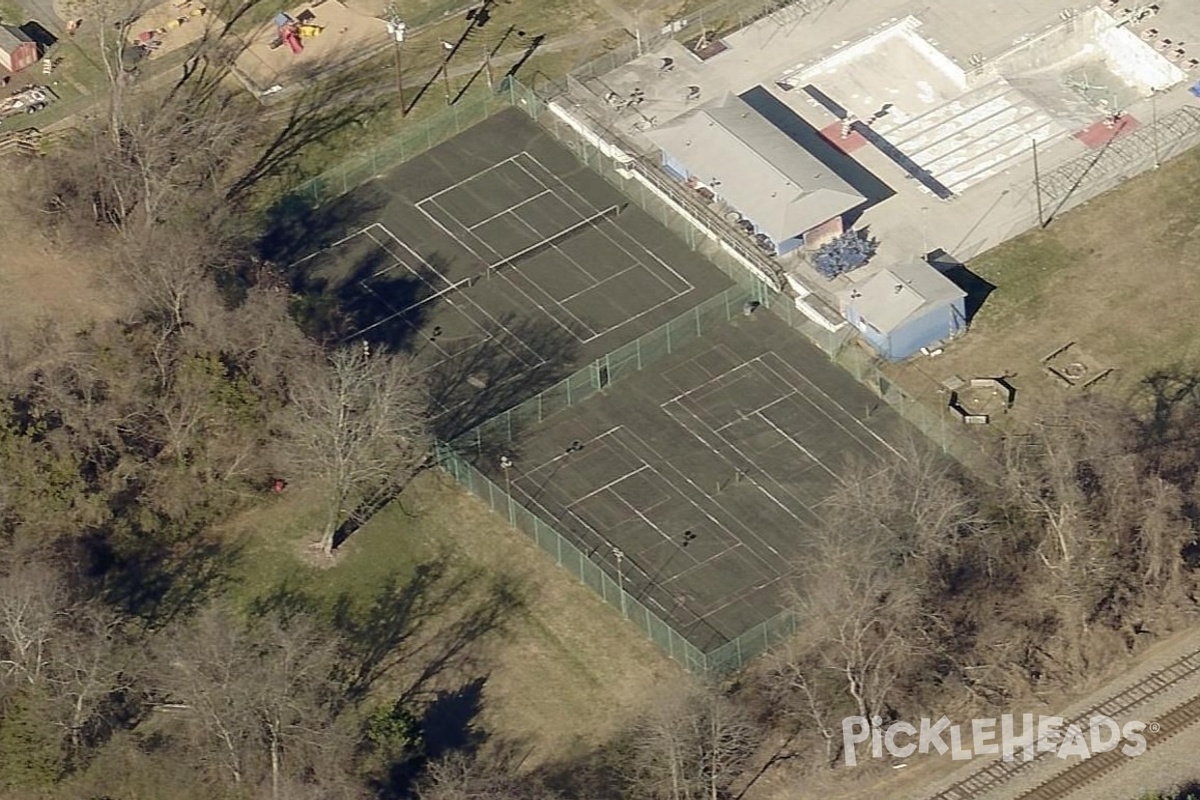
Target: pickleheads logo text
[{"x": 1004, "y": 736}]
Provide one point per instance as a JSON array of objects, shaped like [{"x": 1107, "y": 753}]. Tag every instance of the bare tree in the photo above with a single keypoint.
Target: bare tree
[
  {"x": 459, "y": 776},
  {"x": 690, "y": 744},
  {"x": 258, "y": 696},
  {"x": 859, "y": 611},
  {"x": 33, "y": 611},
  {"x": 357, "y": 429}
]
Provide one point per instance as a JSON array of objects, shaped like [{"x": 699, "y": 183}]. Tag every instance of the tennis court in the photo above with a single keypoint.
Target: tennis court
[
  {"x": 498, "y": 255},
  {"x": 694, "y": 483}
]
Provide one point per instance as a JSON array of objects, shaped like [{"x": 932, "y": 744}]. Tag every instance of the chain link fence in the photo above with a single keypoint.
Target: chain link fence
[
  {"x": 694, "y": 224},
  {"x": 413, "y": 139},
  {"x": 1087, "y": 175},
  {"x": 702, "y": 230},
  {"x": 598, "y": 375}
]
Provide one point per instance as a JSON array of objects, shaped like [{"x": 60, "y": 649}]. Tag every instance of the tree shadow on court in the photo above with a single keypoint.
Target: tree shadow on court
[
  {"x": 296, "y": 226},
  {"x": 521, "y": 357}
]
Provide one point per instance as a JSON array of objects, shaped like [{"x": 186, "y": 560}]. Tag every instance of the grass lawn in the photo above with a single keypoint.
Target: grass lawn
[
  {"x": 1119, "y": 277},
  {"x": 561, "y": 672}
]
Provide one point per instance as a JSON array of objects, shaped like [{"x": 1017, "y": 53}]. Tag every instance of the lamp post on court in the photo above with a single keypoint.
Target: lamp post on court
[
  {"x": 506, "y": 464},
  {"x": 619, "y": 554},
  {"x": 396, "y": 28}
]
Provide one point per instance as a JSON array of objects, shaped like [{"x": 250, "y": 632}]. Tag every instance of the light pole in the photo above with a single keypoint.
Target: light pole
[
  {"x": 449, "y": 48},
  {"x": 396, "y": 28},
  {"x": 619, "y": 554},
  {"x": 506, "y": 464},
  {"x": 1037, "y": 185}
]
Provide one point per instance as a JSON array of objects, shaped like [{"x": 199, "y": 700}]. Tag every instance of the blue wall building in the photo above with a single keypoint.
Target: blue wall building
[{"x": 902, "y": 308}]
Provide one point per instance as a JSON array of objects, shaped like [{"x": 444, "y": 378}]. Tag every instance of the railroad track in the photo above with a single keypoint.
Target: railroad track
[
  {"x": 1163, "y": 728},
  {"x": 997, "y": 773}
]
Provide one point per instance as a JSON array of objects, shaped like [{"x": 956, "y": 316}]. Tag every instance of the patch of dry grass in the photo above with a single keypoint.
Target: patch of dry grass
[{"x": 1119, "y": 277}]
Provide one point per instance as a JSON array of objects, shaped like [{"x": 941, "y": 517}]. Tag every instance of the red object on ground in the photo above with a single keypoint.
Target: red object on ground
[
  {"x": 278, "y": 485},
  {"x": 833, "y": 134},
  {"x": 292, "y": 37},
  {"x": 1101, "y": 134}
]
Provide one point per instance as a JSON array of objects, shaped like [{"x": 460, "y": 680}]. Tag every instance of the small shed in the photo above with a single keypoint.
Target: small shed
[
  {"x": 905, "y": 307},
  {"x": 17, "y": 50}
]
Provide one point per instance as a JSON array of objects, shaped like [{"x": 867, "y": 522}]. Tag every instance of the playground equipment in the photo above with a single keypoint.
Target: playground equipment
[{"x": 291, "y": 31}]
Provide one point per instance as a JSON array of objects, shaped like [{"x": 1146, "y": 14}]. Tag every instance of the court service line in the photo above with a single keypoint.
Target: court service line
[
  {"x": 750, "y": 533},
  {"x": 453, "y": 300},
  {"x": 510, "y": 209},
  {"x": 833, "y": 402},
  {"x": 488, "y": 270},
  {"x": 750, "y": 462},
  {"x": 613, "y": 482},
  {"x": 555, "y": 459},
  {"x": 469, "y": 178},
  {"x": 570, "y": 189},
  {"x": 396, "y": 240},
  {"x": 677, "y": 292}
]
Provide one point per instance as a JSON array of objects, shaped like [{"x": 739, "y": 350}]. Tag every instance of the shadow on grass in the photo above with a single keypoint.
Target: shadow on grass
[
  {"x": 157, "y": 579},
  {"x": 334, "y": 101},
  {"x": 977, "y": 288},
  {"x": 422, "y": 628}
]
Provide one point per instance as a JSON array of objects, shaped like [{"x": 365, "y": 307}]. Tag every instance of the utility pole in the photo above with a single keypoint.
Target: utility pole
[
  {"x": 396, "y": 28},
  {"x": 1154, "y": 126},
  {"x": 449, "y": 48},
  {"x": 1037, "y": 186}
]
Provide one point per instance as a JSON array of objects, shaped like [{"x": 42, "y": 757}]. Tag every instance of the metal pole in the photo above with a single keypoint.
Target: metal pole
[
  {"x": 1037, "y": 185},
  {"x": 620, "y": 556},
  {"x": 396, "y": 28},
  {"x": 1154, "y": 126},
  {"x": 449, "y": 48}
]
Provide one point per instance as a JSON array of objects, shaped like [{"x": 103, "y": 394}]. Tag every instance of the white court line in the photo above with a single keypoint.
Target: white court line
[
  {"x": 488, "y": 271},
  {"x": 835, "y": 403},
  {"x": 454, "y": 301},
  {"x": 610, "y": 483},
  {"x": 470, "y": 178},
  {"x": 750, "y": 462},
  {"x": 636, "y": 258},
  {"x": 486, "y": 220},
  {"x": 396, "y": 240},
  {"x": 554, "y": 460},
  {"x": 570, "y": 189},
  {"x": 750, "y": 534}
]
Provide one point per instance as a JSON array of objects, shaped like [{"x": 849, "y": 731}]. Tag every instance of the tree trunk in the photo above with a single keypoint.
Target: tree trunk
[
  {"x": 333, "y": 516},
  {"x": 274, "y": 766}
]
